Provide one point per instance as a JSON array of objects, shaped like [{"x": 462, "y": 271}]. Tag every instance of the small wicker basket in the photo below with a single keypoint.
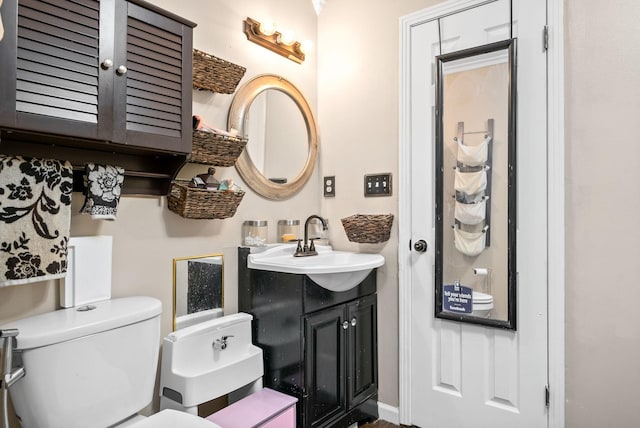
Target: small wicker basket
[
  {"x": 191, "y": 202},
  {"x": 214, "y": 74},
  {"x": 368, "y": 228},
  {"x": 216, "y": 150}
]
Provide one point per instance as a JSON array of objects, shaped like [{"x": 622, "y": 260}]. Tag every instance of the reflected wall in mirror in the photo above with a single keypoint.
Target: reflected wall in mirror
[
  {"x": 198, "y": 289},
  {"x": 476, "y": 185},
  {"x": 277, "y": 136},
  {"x": 275, "y": 118}
]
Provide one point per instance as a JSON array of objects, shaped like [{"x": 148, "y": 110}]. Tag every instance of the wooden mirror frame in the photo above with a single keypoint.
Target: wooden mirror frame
[{"x": 238, "y": 119}]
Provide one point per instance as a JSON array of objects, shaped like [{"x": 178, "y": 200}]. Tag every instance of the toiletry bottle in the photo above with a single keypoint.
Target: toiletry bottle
[{"x": 211, "y": 182}]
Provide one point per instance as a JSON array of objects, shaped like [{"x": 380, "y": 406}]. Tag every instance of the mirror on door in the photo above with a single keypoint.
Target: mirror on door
[{"x": 475, "y": 274}]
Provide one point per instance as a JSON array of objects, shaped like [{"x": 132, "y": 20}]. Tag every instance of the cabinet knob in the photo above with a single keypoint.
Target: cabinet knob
[
  {"x": 354, "y": 321},
  {"x": 120, "y": 71},
  {"x": 106, "y": 64},
  {"x": 345, "y": 325}
]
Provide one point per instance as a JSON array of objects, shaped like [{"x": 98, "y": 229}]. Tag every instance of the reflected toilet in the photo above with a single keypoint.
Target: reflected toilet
[{"x": 482, "y": 304}]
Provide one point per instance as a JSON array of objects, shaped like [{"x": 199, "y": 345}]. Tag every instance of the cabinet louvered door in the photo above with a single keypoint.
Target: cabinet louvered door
[
  {"x": 108, "y": 70},
  {"x": 51, "y": 54},
  {"x": 153, "y": 95}
]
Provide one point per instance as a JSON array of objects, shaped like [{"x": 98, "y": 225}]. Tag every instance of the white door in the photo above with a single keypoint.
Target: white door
[{"x": 464, "y": 375}]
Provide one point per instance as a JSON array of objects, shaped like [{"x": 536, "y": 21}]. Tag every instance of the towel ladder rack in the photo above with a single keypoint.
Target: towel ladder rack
[{"x": 488, "y": 133}]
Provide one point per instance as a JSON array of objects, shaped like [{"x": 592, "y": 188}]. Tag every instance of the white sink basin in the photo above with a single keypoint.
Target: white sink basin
[{"x": 333, "y": 270}]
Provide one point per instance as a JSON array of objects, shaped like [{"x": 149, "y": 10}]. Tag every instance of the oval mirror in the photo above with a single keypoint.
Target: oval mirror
[{"x": 282, "y": 136}]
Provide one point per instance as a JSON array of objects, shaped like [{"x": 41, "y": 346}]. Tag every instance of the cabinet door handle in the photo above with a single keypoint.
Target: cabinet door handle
[
  {"x": 354, "y": 321},
  {"x": 120, "y": 71},
  {"x": 106, "y": 64},
  {"x": 345, "y": 325}
]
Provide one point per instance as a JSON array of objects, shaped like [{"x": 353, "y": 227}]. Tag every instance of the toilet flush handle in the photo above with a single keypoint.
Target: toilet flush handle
[{"x": 221, "y": 343}]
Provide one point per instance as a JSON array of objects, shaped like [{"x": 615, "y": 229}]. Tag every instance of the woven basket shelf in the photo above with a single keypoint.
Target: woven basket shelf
[
  {"x": 191, "y": 202},
  {"x": 368, "y": 228},
  {"x": 216, "y": 150},
  {"x": 214, "y": 74}
]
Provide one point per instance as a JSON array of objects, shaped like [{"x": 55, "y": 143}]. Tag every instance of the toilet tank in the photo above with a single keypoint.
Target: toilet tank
[
  {"x": 194, "y": 370},
  {"x": 89, "y": 366}
]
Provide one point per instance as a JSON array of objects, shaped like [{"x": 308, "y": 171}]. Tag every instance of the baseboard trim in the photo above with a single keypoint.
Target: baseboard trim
[{"x": 388, "y": 413}]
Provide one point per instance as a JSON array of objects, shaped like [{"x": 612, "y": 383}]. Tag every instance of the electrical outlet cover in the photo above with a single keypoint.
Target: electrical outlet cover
[{"x": 329, "y": 185}]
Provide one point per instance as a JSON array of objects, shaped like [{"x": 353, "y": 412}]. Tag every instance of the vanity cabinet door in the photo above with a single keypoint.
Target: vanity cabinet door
[
  {"x": 325, "y": 359},
  {"x": 107, "y": 70},
  {"x": 362, "y": 364},
  {"x": 341, "y": 367}
]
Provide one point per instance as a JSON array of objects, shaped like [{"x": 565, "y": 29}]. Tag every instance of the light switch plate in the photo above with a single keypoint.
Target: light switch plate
[{"x": 377, "y": 184}]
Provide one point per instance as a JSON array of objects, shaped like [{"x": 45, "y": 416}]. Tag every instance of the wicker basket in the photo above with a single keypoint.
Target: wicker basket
[
  {"x": 215, "y": 74},
  {"x": 216, "y": 150},
  {"x": 191, "y": 202},
  {"x": 368, "y": 229}
]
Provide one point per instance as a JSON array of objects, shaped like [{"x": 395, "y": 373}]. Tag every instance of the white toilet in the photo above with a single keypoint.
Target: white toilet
[
  {"x": 482, "y": 304},
  {"x": 92, "y": 366},
  {"x": 94, "y": 363}
]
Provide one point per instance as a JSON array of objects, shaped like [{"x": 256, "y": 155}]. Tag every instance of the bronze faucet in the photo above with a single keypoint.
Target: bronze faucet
[{"x": 309, "y": 249}]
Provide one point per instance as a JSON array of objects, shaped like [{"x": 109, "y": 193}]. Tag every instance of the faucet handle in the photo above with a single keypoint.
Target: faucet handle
[
  {"x": 299, "y": 247},
  {"x": 312, "y": 246}
]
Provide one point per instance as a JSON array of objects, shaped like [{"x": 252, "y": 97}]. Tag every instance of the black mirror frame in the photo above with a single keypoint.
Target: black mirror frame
[{"x": 510, "y": 323}]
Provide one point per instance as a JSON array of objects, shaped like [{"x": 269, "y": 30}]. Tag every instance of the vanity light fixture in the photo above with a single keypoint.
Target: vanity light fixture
[{"x": 268, "y": 37}]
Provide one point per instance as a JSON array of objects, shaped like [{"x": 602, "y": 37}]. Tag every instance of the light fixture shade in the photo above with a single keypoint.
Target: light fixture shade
[
  {"x": 306, "y": 46},
  {"x": 286, "y": 37},
  {"x": 267, "y": 28}
]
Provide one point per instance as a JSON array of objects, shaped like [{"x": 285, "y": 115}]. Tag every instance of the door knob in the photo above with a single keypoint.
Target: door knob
[
  {"x": 420, "y": 246},
  {"x": 120, "y": 71}
]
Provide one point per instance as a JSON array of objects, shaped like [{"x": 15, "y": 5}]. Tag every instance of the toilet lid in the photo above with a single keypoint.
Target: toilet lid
[
  {"x": 174, "y": 419},
  {"x": 479, "y": 297}
]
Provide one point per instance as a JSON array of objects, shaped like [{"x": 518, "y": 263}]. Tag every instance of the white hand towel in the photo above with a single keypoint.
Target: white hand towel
[
  {"x": 473, "y": 155},
  {"x": 469, "y": 243},
  {"x": 470, "y": 199},
  {"x": 471, "y": 213},
  {"x": 470, "y": 182}
]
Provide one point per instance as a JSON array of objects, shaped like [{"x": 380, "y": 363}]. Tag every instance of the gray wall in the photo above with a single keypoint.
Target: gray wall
[{"x": 602, "y": 81}]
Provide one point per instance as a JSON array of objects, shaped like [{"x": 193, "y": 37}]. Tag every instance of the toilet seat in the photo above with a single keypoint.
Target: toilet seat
[
  {"x": 482, "y": 304},
  {"x": 481, "y": 298},
  {"x": 174, "y": 419}
]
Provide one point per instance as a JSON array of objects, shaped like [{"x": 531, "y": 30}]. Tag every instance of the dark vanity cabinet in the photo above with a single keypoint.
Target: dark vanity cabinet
[
  {"x": 319, "y": 346},
  {"x": 110, "y": 71}
]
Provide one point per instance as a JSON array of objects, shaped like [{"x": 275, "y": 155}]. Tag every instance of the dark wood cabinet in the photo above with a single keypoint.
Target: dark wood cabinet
[
  {"x": 115, "y": 71},
  {"x": 340, "y": 360},
  {"x": 362, "y": 343},
  {"x": 319, "y": 346}
]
